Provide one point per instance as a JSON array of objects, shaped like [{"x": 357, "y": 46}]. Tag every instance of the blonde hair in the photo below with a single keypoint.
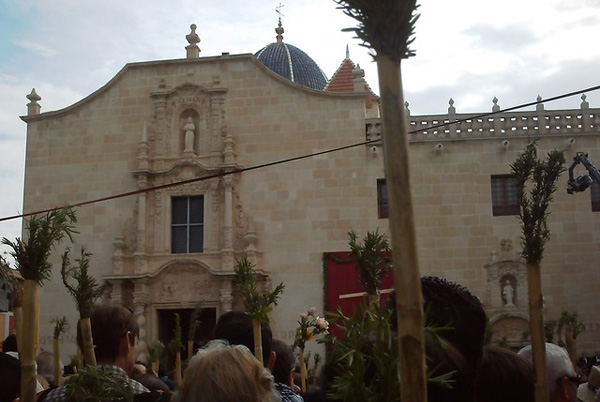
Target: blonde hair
[{"x": 223, "y": 373}]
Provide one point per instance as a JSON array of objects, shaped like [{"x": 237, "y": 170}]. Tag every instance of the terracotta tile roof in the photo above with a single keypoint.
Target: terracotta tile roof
[{"x": 342, "y": 80}]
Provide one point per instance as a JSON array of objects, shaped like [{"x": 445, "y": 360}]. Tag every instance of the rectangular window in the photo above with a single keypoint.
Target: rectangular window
[
  {"x": 504, "y": 195},
  {"x": 187, "y": 224},
  {"x": 382, "y": 199},
  {"x": 595, "y": 192}
]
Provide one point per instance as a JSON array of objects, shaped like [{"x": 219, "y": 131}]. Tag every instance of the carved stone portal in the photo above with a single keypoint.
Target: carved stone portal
[
  {"x": 510, "y": 331},
  {"x": 184, "y": 282}
]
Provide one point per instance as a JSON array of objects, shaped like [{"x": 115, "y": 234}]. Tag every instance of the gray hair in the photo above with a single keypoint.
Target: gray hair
[
  {"x": 558, "y": 364},
  {"x": 219, "y": 372},
  {"x": 45, "y": 365}
]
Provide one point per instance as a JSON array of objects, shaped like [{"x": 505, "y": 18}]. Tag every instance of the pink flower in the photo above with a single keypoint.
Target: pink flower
[
  {"x": 312, "y": 311},
  {"x": 321, "y": 323}
]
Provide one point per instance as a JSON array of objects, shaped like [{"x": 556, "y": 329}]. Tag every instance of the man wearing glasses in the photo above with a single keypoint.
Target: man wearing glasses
[{"x": 562, "y": 379}]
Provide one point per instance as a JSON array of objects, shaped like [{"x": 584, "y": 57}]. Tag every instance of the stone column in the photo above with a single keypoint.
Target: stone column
[
  {"x": 116, "y": 294},
  {"x": 140, "y": 249},
  {"x": 141, "y": 298},
  {"x": 227, "y": 247},
  {"x": 226, "y": 296}
]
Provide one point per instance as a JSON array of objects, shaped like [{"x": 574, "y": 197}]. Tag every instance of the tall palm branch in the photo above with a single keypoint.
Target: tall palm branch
[{"x": 387, "y": 28}]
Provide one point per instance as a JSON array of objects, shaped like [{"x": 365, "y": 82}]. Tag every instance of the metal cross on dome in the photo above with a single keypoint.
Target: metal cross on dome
[{"x": 278, "y": 11}]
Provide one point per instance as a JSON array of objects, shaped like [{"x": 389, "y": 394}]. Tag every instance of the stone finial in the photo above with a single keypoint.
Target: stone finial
[
  {"x": 193, "y": 51},
  {"x": 584, "y": 103},
  {"x": 279, "y": 31},
  {"x": 358, "y": 79},
  {"x": 406, "y": 104},
  {"x": 451, "y": 108},
  {"x": 33, "y": 106},
  {"x": 347, "y": 52},
  {"x": 540, "y": 106},
  {"x": 496, "y": 107}
]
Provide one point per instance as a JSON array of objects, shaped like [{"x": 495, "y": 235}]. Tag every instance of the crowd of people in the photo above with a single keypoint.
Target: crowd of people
[{"x": 226, "y": 371}]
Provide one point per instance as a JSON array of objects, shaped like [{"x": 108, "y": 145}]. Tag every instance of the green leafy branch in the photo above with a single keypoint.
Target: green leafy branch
[
  {"x": 155, "y": 351},
  {"x": 194, "y": 321},
  {"x": 175, "y": 346},
  {"x": 97, "y": 384},
  {"x": 59, "y": 326},
  {"x": 257, "y": 304},
  {"x": 44, "y": 233},
  {"x": 372, "y": 259},
  {"x": 541, "y": 176},
  {"x": 86, "y": 290}
]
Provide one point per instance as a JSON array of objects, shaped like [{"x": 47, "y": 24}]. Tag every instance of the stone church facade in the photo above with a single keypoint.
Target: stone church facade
[{"x": 160, "y": 123}]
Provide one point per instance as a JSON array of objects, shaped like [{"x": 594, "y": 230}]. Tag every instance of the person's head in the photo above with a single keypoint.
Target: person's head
[
  {"x": 588, "y": 391},
  {"x": 10, "y": 344},
  {"x": 236, "y": 328},
  {"x": 452, "y": 305},
  {"x": 562, "y": 379},
  {"x": 505, "y": 376},
  {"x": 115, "y": 332},
  {"x": 152, "y": 382},
  {"x": 226, "y": 373},
  {"x": 10, "y": 378},
  {"x": 443, "y": 358},
  {"x": 45, "y": 365},
  {"x": 284, "y": 362}
]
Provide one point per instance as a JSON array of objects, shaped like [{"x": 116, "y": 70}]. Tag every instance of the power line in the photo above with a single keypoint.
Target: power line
[{"x": 296, "y": 158}]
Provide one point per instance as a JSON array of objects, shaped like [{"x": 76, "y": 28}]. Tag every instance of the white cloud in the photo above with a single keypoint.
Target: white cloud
[
  {"x": 37, "y": 48},
  {"x": 470, "y": 50}
]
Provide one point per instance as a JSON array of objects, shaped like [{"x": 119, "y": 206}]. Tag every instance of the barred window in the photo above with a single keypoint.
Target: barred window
[
  {"x": 382, "y": 199},
  {"x": 504, "y": 195},
  {"x": 595, "y": 194},
  {"x": 187, "y": 224}
]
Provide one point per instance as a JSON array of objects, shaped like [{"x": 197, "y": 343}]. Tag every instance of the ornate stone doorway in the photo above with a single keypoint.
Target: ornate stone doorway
[{"x": 165, "y": 322}]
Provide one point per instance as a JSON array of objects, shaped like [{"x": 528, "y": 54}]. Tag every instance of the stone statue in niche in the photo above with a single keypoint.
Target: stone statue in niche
[
  {"x": 509, "y": 294},
  {"x": 189, "y": 135}
]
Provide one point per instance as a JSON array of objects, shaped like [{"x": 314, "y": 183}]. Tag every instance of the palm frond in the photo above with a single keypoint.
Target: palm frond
[
  {"x": 385, "y": 26},
  {"x": 43, "y": 234},
  {"x": 86, "y": 289}
]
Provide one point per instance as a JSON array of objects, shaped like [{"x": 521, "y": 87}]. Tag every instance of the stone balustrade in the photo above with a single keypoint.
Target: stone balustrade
[{"x": 497, "y": 124}]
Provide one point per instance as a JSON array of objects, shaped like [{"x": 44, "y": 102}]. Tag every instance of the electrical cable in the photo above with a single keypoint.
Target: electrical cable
[{"x": 296, "y": 158}]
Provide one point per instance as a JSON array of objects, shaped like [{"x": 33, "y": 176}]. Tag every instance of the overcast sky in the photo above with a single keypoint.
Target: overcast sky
[{"x": 470, "y": 50}]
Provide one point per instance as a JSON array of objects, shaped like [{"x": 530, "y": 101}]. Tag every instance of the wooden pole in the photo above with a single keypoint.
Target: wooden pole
[
  {"x": 178, "y": 368},
  {"x": 27, "y": 346},
  {"x": 407, "y": 281},
  {"x": 56, "y": 362},
  {"x": 18, "y": 313},
  {"x": 190, "y": 353},
  {"x": 536, "y": 324},
  {"x": 571, "y": 344},
  {"x": 258, "y": 350},
  {"x": 85, "y": 327},
  {"x": 302, "y": 371}
]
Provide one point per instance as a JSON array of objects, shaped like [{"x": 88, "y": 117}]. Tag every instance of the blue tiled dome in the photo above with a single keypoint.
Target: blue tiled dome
[{"x": 293, "y": 64}]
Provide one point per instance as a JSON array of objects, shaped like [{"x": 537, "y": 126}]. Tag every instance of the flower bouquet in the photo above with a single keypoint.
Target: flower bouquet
[{"x": 310, "y": 325}]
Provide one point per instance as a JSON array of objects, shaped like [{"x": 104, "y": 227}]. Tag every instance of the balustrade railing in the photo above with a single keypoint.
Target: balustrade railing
[{"x": 497, "y": 125}]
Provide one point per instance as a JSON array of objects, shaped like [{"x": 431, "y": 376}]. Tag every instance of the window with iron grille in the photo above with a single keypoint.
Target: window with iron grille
[
  {"x": 595, "y": 194},
  {"x": 382, "y": 199},
  {"x": 187, "y": 224},
  {"x": 504, "y": 195}
]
